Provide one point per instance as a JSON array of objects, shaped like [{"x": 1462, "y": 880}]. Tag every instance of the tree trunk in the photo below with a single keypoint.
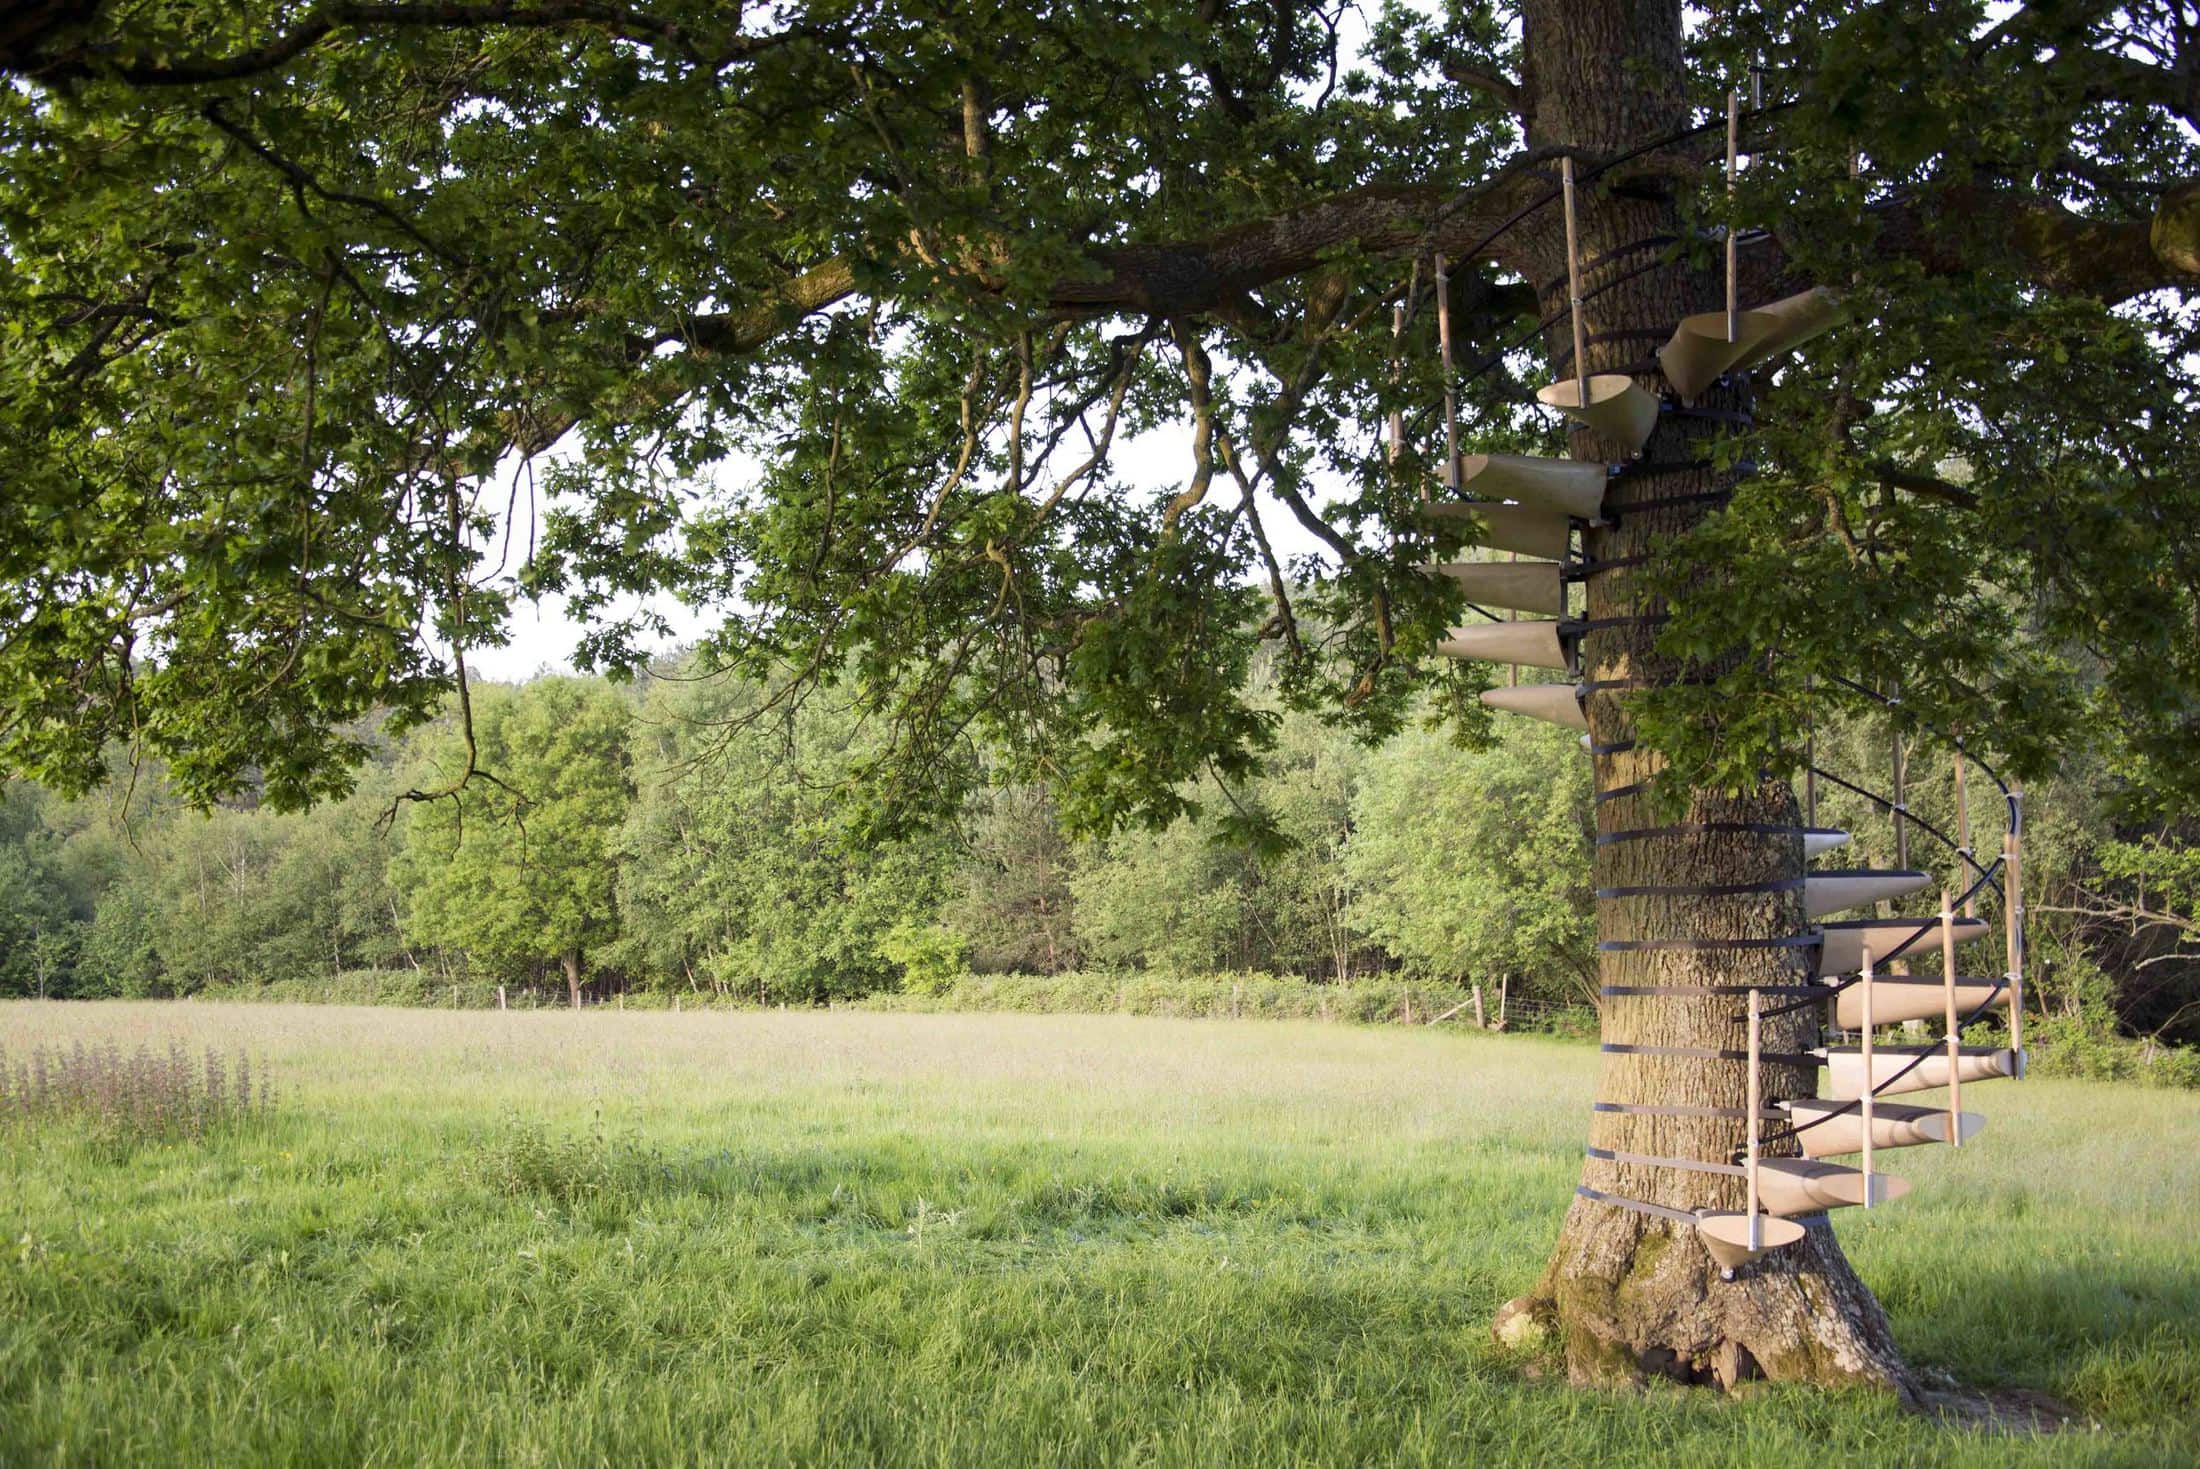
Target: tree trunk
[
  {"x": 1631, "y": 1294},
  {"x": 571, "y": 960}
]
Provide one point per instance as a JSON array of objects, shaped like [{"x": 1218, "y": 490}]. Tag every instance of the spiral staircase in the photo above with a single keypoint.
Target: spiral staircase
[{"x": 1533, "y": 508}]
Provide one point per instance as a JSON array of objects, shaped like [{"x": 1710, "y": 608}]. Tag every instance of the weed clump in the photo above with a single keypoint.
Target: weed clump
[
  {"x": 135, "y": 1096},
  {"x": 525, "y": 1160}
]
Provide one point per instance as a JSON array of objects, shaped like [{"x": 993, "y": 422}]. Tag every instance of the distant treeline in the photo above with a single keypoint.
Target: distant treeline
[{"x": 653, "y": 838}]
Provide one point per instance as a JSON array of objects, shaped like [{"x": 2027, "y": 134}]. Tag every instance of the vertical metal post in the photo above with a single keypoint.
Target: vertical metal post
[
  {"x": 2012, "y": 907},
  {"x": 1754, "y": 1104},
  {"x": 1901, "y": 797},
  {"x": 1955, "y": 1047},
  {"x": 1963, "y": 835},
  {"x": 1733, "y": 147},
  {"x": 1451, "y": 410},
  {"x": 1512, "y": 670},
  {"x": 1871, "y": 1080},
  {"x": 1573, "y": 279}
]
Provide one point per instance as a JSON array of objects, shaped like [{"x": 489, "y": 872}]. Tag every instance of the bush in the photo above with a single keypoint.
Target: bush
[
  {"x": 1251, "y": 995},
  {"x": 590, "y": 1172},
  {"x": 2085, "y": 1043},
  {"x": 418, "y": 988},
  {"x": 929, "y": 955}
]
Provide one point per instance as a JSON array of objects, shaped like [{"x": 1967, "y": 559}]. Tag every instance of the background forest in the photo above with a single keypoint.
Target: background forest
[{"x": 644, "y": 841}]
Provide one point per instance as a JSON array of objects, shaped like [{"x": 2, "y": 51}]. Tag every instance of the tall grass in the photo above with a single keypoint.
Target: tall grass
[
  {"x": 864, "y": 1238},
  {"x": 139, "y": 1095}
]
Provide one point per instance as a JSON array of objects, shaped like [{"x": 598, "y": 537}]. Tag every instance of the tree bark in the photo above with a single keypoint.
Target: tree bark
[
  {"x": 571, "y": 960},
  {"x": 1630, "y": 1294}
]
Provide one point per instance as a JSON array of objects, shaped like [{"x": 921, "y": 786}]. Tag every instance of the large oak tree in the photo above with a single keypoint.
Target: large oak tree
[{"x": 285, "y": 284}]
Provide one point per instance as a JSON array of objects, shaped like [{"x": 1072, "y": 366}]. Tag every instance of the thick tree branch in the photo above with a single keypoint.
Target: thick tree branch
[
  {"x": 1954, "y": 231},
  {"x": 1897, "y": 477},
  {"x": 1503, "y": 90},
  {"x": 2054, "y": 247},
  {"x": 2122, "y": 78}
]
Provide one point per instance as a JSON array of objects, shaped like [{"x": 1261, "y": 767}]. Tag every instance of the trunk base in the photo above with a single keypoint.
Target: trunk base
[{"x": 1630, "y": 1298}]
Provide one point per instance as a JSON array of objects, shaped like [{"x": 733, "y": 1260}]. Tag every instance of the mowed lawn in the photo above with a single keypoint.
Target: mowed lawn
[{"x": 854, "y": 1238}]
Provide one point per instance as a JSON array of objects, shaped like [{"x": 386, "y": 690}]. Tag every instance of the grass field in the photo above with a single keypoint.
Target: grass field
[{"x": 956, "y": 1239}]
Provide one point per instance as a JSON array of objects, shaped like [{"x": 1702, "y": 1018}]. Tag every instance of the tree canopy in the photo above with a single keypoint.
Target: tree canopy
[{"x": 833, "y": 317}]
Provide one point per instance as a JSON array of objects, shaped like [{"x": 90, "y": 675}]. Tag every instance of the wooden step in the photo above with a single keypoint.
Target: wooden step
[
  {"x": 1700, "y": 349},
  {"x": 1559, "y": 703},
  {"x": 1796, "y": 319},
  {"x": 1726, "y": 1236},
  {"x": 1833, "y": 890},
  {"x": 1842, "y": 951},
  {"x": 1845, "y": 1068},
  {"x": 1900, "y": 997},
  {"x": 1790, "y": 1186},
  {"x": 1534, "y": 644},
  {"x": 1617, "y": 407},
  {"x": 1574, "y": 486},
  {"x": 1894, "y": 1125},
  {"x": 1521, "y": 586},
  {"x": 1521, "y": 528}
]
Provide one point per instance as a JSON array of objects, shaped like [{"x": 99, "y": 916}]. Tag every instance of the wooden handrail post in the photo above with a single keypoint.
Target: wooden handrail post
[
  {"x": 1573, "y": 280},
  {"x": 1451, "y": 407},
  {"x": 2012, "y": 908},
  {"x": 1753, "y": 1106},
  {"x": 1871, "y": 1081},
  {"x": 1733, "y": 285},
  {"x": 1955, "y": 1049}
]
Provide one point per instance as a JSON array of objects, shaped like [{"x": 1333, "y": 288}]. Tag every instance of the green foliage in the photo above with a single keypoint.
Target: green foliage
[
  {"x": 1475, "y": 863},
  {"x": 519, "y": 869},
  {"x": 735, "y": 868},
  {"x": 929, "y": 955},
  {"x": 837, "y": 315},
  {"x": 1250, "y": 995},
  {"x": 1012, "y": 902},
  {"x": 1175, "y": 899},
  {"x": 522, "y": 1160}
]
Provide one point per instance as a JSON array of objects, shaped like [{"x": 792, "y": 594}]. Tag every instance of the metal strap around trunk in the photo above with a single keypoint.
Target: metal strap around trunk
[
  {"x": 1624, "y": 619},
  {"x": 1652, "y": 1160},
  {"x": 1645, "y": 468},
  {"x": 1617, "y": 747},
  {"x": 1646, "y": 1109},
  {"x": 1640, "y": 1206},
  {"x": 1815, "y": 991},
  {"x": 1617, "y": 792},
  {"x": 1704, "y": 889},
  {"x": 1701, "y": 828},
  {"x": 1667, "y": 502},
  {"x": 1707, "y": 946},
  {"x": 1713, "y": 415},
  {"x": 1713, "y": 1053}
]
